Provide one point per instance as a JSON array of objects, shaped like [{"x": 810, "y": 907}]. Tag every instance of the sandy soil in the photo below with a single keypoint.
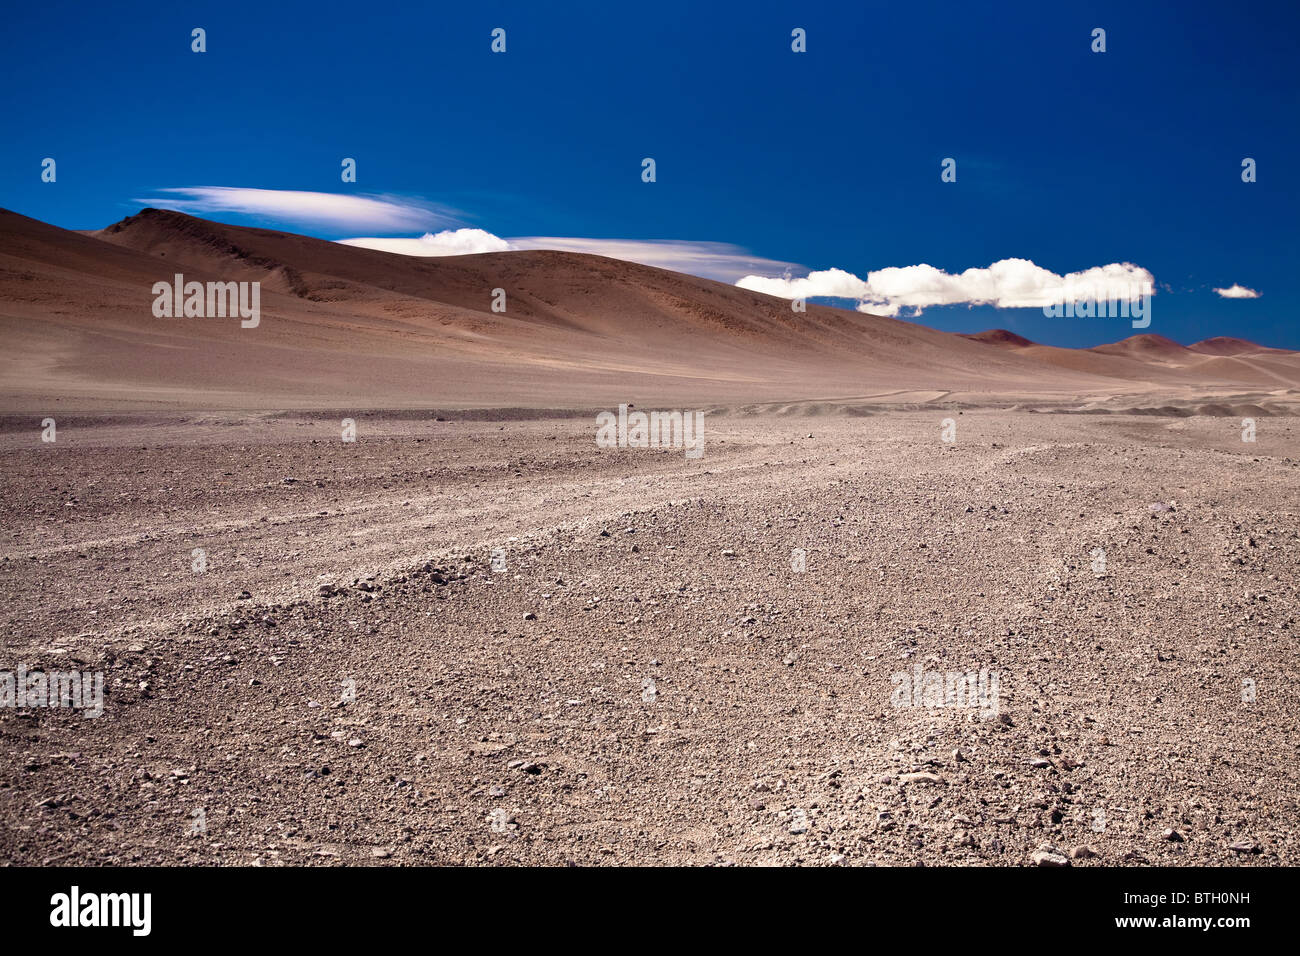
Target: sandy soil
[{"x": 648, "y": 680}]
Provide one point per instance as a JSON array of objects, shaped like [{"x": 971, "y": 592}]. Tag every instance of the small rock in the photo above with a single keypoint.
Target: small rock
[{"x": 1048, "y": 855}]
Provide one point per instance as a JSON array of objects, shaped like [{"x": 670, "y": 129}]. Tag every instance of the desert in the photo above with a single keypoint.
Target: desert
[{"x": 470, "y": 633}]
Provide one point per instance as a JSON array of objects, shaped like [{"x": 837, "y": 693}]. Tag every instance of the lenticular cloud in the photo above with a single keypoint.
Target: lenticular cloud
[
  {"x": 1237, "y": 291},
  {"x": 1008, "y": 284}
]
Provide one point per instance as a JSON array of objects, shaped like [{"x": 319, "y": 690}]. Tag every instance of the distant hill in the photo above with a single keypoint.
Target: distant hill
[{"x": 347, "y": 327}]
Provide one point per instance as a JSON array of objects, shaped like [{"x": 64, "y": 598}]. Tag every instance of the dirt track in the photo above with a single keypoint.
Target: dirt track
[{"x": 682, "y": 695}]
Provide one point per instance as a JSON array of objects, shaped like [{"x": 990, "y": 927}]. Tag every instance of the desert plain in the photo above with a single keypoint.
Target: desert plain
[{"x": 473, "y": 636}]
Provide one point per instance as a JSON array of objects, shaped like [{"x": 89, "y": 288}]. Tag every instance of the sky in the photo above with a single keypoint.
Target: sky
[{"x": 770, "y": 164}]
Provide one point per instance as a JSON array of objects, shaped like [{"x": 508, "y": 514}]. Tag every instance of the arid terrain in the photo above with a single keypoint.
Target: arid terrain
[
  {"x": 525, "y": 690},
  {"x": 473, "y": 636}
]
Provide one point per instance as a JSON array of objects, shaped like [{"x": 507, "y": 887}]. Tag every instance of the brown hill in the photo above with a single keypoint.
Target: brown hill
[
  {"x": 1146, "y": 347},
  {"x": 346, "y": 327},
  {"x": 1001, "y": 338},
  {"x": 1227, "y": 345}
]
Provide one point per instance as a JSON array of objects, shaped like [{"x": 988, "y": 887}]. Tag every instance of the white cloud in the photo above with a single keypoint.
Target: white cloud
[
  {"x": 322, "y": 210},
  {"x": 712, "y": 260},
  {"x": 1008, "y": 283},
  {"x": 1235, "y": 291},
  {"x": 396, "y": 214},
  {"x": 449, "y": 242}
]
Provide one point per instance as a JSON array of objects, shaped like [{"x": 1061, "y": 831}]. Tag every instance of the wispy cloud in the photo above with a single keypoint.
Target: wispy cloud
[
  {"x": 1235, "y": 291},
  {"x": 350, "y": 212},
  {"x": 711, "y": 260},
  {"x": 1008, "y": 283}
]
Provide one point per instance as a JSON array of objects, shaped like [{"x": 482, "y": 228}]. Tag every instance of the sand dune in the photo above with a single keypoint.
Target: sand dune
[{"x": 356, "y": 328}]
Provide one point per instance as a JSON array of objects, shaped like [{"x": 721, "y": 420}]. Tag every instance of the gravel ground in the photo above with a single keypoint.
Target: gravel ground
[{"x": 649, "y": 680}]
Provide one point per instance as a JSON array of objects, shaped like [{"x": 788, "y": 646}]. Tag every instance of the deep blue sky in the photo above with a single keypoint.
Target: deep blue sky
[{"x": 826, "y": 159}]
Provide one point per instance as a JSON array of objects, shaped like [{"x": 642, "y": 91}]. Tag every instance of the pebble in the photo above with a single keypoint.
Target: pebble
[{"x": 1048, "y": 855}]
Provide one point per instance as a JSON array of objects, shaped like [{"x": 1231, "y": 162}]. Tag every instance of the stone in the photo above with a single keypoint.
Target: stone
[{"x": 1048, "y": 855}]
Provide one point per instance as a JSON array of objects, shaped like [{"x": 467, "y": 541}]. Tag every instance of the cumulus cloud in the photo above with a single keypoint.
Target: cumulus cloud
[
  {"x": 711, "y": 260},
  {"x": 320, "y": 210},
  {"x": 449, "y": 242},
  {"x": 1235, "y": 291},
  {"x": 1008, "y": 283}
]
